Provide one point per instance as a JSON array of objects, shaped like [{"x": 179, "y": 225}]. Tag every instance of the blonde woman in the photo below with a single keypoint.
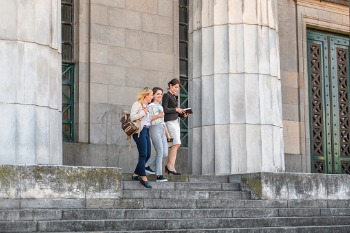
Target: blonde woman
[{"x": 141, "y": 117}]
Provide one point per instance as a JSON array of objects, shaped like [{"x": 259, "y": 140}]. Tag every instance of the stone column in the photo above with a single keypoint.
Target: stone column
[
  {"x": 235, "y": 87},
  {"x": 30, "y": 82}
]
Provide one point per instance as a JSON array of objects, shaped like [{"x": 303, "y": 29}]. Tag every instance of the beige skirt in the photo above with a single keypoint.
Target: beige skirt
[{"x": 174, "y": 131}]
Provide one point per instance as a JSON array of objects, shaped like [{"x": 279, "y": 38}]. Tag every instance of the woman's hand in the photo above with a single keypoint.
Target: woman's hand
[
  {"x": 161, "y": 115},
  {"x": 180, "y": 110},
  {"x": 145, "y": 110}
]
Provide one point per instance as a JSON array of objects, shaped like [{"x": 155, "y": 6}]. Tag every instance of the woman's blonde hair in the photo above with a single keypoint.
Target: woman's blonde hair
[{"x": 142, "y": 94}]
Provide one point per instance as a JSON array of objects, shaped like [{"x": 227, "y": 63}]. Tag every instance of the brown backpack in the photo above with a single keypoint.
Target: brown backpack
[{"x": 127, "y": 125}]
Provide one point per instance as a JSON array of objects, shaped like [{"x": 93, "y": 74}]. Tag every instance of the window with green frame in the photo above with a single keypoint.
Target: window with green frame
[
  {"x": 183, "y": 56},
  {"x": 67, "y": 20}
]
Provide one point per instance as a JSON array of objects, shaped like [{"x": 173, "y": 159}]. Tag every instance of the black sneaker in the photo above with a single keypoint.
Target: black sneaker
[
  {"x": 161, "y": 179},
  {"x": 149, "y": 170}
]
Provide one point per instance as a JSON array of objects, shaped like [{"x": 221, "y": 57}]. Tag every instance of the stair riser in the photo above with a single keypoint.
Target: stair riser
[
  {"x": 187, "y": 224},
  {"x": 183, "y": 186},
  {"x": 28, "y": 215},
  {"x": 186, "y": 178},
  {"x": 105, "y": 214},
  {"x": 208, "y": 179},
  {"x": 18, "y": 226},
  {"x": 325, "y": 229},
  {"x": 170, "y": 178},
  {"x": 139, "y": 203},
  {"x": 217, "y": 195},
  {"x": 32, "y": 227}
]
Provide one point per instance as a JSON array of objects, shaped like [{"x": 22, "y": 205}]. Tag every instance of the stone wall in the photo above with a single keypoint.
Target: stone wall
[
  {"x": 59, "y": 182},
  {"x": 123, "y": 46},
  {"x": 290, "y": 84},
  {"x": 294, "y": 186},
  {"x": 30, "y": 67}
]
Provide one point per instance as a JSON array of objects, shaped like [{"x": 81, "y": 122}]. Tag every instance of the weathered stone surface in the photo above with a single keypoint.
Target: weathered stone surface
[
  {"x": 58, "y": 182},
  {"x": 338, "y": 186},
  {"x": 295, "y": 186},
  {"x": 102, "y": 183},
  {"x": 52, "y": 203},
  {"x": 164, "y": 204},
  {"x": 66, "y": 226},
  {"x": 222, "y": 204},
  {"x": 10, "y": 203},
  {"x": 31, "y": 214},
  {"x": 23, "y": 226},
  {"x": 95, "y": 214},
  {"x": 10, "y": 182},
  {"x": 114, "y": 203},
  {"x": 52, "y": 182}
]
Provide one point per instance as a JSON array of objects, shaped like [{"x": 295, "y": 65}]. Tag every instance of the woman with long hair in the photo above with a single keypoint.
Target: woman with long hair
[
  {"x": 140, "y": 116},
  {"x": 157, "y": 133},
  {"x": 171, "y": 118}
]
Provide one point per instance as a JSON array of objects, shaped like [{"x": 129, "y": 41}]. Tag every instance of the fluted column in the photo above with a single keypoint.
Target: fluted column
[
  {"x": 235, "y": 87},
  {"x": 30, "y": 82}
]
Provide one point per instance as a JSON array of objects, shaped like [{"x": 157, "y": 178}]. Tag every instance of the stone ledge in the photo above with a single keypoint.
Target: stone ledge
[
  {"x": 292, "y": 186},
  {"x": 50, "y": 182}
]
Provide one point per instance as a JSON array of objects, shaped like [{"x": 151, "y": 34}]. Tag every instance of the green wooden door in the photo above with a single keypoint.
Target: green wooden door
[{"x": 328, "y": 71}]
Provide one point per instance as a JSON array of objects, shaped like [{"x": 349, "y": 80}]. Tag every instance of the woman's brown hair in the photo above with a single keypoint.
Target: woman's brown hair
[{"x": 173, "y": 82}]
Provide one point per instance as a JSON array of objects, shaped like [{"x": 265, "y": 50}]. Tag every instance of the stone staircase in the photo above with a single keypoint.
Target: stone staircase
[{"x": 184, "y": 204}]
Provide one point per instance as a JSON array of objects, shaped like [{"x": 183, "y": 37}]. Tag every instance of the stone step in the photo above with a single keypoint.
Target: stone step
[
  {"x": 173, "y": 224},
  {"x": 165, "y": 204},
  {"x": 298, "y": 229},
  {"x": 184, "y": 186},
  {"x": 208, "y": 179},
  {"x": 18, "y": 226},
  {"x": 187, "y": 194},
  {"x": 106, "y": 214},
  {"x": 187, "y": 178},
  {"x": 171, "y": 178},
  {"x": 307, "y": 229}
]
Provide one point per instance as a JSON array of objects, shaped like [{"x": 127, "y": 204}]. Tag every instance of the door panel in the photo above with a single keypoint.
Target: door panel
[{"x": 328, "y": 63}]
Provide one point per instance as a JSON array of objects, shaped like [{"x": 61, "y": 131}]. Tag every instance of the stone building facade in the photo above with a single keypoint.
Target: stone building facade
[{"x": 249, "y": 70}]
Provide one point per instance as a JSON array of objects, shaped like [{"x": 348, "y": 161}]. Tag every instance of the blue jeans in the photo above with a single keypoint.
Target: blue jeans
[
  {"x": 160, "y": 145},
  {"x": 143, "y": 143}
]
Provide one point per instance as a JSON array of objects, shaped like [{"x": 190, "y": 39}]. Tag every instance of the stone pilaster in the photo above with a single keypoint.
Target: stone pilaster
[
  {"x": 235, "y": 87},
  {"x": 30, "y": 82}
]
